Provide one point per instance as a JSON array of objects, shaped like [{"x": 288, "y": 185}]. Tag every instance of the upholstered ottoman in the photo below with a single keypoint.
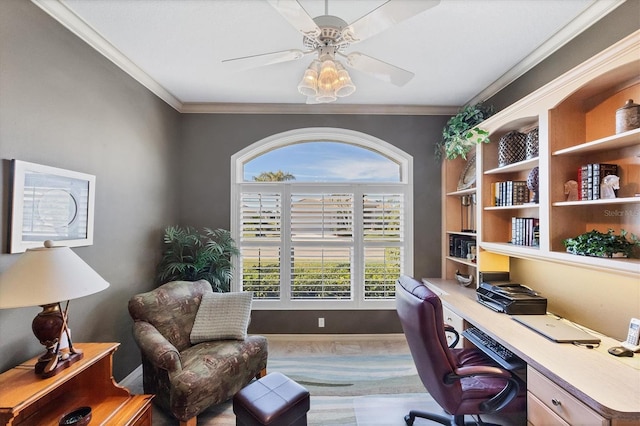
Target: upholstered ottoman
[{"x": 273, "y": 400}]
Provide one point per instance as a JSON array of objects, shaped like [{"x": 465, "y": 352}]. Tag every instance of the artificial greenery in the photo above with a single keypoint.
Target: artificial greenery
[
  {"x": 190, "y": 255},
  {"x": 601, "y": 244},
  {"x": 461, "y": 133}
]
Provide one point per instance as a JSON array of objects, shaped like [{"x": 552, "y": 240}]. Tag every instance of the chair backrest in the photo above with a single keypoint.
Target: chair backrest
[
  {"x": 171, "y": 309},
  {"x": 420, "y": 312}
]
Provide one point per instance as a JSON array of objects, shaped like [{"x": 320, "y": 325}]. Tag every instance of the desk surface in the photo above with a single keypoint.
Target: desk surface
[{"x": 608, "y": 384}]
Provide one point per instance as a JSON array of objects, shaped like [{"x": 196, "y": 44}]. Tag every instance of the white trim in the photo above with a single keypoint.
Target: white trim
[
  {"x": 595, "y": 12},
  {"x": 131, "y": 378},
  {"x": 58, "y": 10},
  {"x": 363, "y": 140},
  {"x": 350, "y": 109}
]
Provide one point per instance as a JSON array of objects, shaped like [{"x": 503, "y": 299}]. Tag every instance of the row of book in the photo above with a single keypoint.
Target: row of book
[
  {"x": 590, "y": 177},
  {"x": 525, "y": 231},
  {"x": 462, "y": 246},
  {"x": 509, "y": 193}
]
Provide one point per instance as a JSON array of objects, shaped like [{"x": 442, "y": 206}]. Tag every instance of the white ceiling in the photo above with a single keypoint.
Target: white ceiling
[{"x": 459, "y": 50}]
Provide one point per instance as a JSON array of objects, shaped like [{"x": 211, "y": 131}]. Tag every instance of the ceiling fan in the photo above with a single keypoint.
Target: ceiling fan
[{"x": 328, "y": 36}]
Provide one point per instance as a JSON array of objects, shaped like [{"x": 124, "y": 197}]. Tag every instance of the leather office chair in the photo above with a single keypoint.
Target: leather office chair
[{"x": 461, "y": 381}]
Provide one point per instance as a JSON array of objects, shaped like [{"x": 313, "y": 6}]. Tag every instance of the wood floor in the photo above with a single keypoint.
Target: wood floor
[{"x": 340, "y": 344}]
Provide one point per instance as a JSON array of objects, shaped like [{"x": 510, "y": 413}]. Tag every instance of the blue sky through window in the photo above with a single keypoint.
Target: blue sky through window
[{"x": 325, "y": 162}]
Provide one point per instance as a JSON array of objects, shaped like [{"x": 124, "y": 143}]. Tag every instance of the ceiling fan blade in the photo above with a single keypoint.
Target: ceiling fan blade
[
  {"x": 295, "y": 14},
  {"x": 379, "y": 69},
  {"x": 255, "y": 61},
  {"x": 387, "y": 15}
]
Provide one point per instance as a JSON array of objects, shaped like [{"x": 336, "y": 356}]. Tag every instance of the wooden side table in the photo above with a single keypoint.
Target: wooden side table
[{"x": 26, "y": 399}]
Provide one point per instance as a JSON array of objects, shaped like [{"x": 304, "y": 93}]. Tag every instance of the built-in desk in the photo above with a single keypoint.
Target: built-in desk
[{"x": 608, "y": 385}]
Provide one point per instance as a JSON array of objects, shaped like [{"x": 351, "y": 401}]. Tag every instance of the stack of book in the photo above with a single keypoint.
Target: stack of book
[
  {"x": 590, "y": 177},
  {"x": 525, "y": 231},
  {"x": 509, "y": 193},
  {"x": 462, "y": 246}
]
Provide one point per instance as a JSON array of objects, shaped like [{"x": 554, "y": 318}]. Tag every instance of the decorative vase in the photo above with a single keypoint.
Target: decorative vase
[
  {"x": 628, "y": 117},
  {"x": 532, "y": 144},
  {"x": 511, "y": 148},
  {"x": 533, "y": 184}
]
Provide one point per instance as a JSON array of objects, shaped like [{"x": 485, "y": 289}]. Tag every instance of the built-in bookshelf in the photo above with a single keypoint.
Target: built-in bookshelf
[{"x": 575, "y": 116}]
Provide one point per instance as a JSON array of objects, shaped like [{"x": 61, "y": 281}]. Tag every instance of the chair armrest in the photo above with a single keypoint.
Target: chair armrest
[
  {"x": 450, "y": 329},
  {"x": 502, "y": 398},
  {"x": 156, "y": 348}
]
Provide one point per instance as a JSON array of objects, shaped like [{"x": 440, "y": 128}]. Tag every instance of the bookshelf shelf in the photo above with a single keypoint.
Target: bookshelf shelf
[
  {"x": 621, "y": 140},
  {"x": 462, "y": 261},
  {"x": 516, "y": 207},
  {"x": 601, "y": 202},
  {"x": 515, "y": 167}
]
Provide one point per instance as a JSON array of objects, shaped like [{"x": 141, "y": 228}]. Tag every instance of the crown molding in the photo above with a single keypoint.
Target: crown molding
[
  {"x": 63, "y": 14},
  {"x": 591, "y": 15},
  {"x": 351, "y": 109}
]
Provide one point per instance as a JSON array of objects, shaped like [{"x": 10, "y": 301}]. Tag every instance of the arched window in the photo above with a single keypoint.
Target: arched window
[{"x": 323, "y": 219}]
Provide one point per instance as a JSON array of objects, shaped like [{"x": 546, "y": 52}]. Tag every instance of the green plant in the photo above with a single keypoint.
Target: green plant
[
  {"x": 461, "y": 133},
  {"x": 190, "y": 255},
  {"x": 601, "y": 244}
]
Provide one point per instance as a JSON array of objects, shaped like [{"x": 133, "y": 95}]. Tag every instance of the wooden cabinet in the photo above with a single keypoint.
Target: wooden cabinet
[
  {"x": 549, "y": 404},
  {"x": 26, "y": 399},
  {"x": 575, "y": 116}
]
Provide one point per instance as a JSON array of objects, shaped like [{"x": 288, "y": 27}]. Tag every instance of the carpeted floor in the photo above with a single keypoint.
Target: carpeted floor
[{"x": 365, "y": 383}]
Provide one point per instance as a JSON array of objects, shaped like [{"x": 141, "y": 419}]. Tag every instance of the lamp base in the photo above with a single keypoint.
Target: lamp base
[{"x": 41, "y": 365}]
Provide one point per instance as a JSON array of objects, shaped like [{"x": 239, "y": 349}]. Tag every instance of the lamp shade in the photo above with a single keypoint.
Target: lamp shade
[{"x": 47, "y": 275}]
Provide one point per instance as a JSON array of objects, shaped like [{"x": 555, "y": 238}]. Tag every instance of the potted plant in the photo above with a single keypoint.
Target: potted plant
[
  {"x": 190, "y": 255},
  {"x": 601, "y": 244},
  {"x": 461, "y": 133}
]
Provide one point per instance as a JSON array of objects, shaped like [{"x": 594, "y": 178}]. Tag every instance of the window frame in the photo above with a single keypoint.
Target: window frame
[{"x": 359, "y": 139}]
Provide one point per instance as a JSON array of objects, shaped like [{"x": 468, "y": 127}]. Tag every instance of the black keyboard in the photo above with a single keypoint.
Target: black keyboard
[{"x": 495, "y": 350}]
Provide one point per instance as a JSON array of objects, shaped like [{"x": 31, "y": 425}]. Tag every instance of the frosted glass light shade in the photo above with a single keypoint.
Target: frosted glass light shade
[
  {"x": 346, "y": 87},
  {"x": 46, "y": 275},
  {"x": 307, "y": 85}
]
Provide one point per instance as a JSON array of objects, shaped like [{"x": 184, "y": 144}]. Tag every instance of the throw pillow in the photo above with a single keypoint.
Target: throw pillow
[{"x": 222, "y": 316}]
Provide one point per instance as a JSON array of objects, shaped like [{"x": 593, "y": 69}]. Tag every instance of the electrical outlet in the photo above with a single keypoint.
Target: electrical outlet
[{"x": 320, "y": 322}]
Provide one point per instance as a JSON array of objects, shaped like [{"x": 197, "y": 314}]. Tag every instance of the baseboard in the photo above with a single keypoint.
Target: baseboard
[{"x": 132, "y": 377}]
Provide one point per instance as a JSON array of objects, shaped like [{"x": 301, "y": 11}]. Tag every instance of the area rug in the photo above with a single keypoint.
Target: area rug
[{"x": 377, "y": 387}]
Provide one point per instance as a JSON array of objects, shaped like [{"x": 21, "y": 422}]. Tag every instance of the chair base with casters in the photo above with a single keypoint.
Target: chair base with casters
[
  {"x": 462, "y": 381},
  {"x": 443, "y": 419}
]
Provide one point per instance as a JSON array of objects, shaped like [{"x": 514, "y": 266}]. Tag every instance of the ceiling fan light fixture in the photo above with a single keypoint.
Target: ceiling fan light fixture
[
  {"x": 309, "y": 83},
  {"x": 345, "y": 85}
]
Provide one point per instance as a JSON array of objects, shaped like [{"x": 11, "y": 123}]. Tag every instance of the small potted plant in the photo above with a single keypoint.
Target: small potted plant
[
  {"x": 601, "y": 244},
  {"x": 461, "y": 133}
]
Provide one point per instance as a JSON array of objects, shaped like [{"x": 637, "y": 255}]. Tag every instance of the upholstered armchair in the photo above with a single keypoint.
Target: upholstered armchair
[{"x": 190, "y": 373}]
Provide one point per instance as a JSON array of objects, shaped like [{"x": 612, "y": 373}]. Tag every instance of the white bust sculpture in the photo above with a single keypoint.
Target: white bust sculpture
[{"x": 608, "y": 185}]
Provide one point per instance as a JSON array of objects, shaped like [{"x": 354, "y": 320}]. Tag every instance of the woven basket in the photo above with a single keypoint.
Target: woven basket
[
  {"x": 511, "y": 148},
  {"x": 532, "y": 144}
]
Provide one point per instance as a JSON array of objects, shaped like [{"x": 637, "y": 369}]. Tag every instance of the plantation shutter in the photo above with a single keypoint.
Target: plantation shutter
[
  {"x": 260, "y": 239},
  {"x": 383, "y": 229},
  {"x": 321, "y": 245}
]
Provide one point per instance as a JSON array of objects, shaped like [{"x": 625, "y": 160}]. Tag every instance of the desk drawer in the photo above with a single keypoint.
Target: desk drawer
[
  {"x": 558, "y": 402},
  {"x": 456, "y": 322}
]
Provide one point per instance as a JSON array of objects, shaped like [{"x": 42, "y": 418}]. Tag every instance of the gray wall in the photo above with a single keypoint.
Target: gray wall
[
  {"x": 208, "y": 141},
  {"x": 64, "y": 105}
]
